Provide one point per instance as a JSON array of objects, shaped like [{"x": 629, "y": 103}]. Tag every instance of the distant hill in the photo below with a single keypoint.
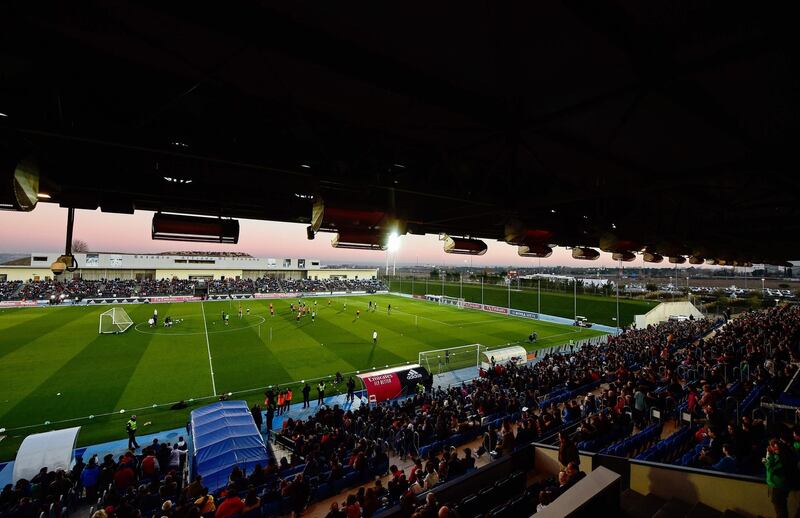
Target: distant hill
[{"x": 15, "y": 259}]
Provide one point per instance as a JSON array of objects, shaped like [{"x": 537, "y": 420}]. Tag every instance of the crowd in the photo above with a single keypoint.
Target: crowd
[
  {"x": 691, "y": 365},
  {"x": 118, "y": 288},
  {"x": 8, "y": 289}
]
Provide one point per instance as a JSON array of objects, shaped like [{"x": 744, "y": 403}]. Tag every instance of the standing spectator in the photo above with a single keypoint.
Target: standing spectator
[
  {"x": 776, "y": 479},
  {"x": 351, "y": 385},
  {"x": 567, "y": 451},
  {"x": 306, "y": 390},
  {"x": 89, "y": 478},
  {"x": 257, "y": 417}
]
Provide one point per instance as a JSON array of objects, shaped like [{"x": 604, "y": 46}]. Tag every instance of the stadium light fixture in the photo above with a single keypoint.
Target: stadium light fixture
[
  {"x": 462, "y": 245},
  {"x": 626, "y": 257},
  {"x": 43, "y": 196},
  {"x": 19, "y": 185},
  {"x": 585, "y": 253},
  {"x": 176, "y": 227},
  {"x": 3, "y": 114},
  {"x": 358, "y": 240},
  {"x": 305, "y": 166},
  {"x": 534, "y": 250},
  {"x": 652, "y": 257},
  {"x": 393, "y": 242}
]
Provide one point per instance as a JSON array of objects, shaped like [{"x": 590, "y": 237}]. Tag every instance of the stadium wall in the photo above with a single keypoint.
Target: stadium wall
[
  {"x": 185, "y": 274},
  {"x": 26, "y": 273}
]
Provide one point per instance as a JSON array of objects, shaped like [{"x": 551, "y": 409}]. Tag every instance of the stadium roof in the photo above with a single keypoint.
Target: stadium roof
[{"x": 669, "y": 125}]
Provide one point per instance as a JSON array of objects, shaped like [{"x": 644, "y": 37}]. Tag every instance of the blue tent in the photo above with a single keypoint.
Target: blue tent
[{"x": 224, "y": 435}]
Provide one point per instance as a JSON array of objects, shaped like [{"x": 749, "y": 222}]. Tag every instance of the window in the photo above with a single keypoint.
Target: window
[
  {"x": 40, "y": 258},
  {"x": 181, "y": 261},
  {"x": 314, "y": 263},
  {"x": 301, "y": 263},
  {"x": 287, "y": 263}
]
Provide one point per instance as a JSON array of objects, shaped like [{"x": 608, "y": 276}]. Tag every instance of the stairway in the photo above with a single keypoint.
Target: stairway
[{"x": 636, "y": 505}]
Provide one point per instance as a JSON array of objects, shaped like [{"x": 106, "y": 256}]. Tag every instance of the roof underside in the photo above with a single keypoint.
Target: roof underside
[{"x": 666, "y": 124}]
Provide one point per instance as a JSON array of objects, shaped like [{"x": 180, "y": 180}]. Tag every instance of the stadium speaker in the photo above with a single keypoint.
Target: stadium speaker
[
  {"x": 696, "y": 260},
  {"x": 585, "y": 253},
  {"x": 652, "y": 257},
  {"x": 678, "y": 259},
  {"x": 463, "y": 246},
  {"x": 198, "y": 229},
  {"x": 359, "y": 240},
  {"x": 19, "y": 185},
  {"x": 623, "y": 256},
  {"x": 310, "y": 232},
  {"x": 534, "y": 250}
]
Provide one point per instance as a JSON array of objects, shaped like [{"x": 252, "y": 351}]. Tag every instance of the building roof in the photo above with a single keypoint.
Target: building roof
[{"x": 667, "y": 126}]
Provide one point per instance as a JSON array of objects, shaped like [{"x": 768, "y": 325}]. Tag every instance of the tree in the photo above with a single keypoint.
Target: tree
[
  {"x": 651, "y": 287},
  {"x": 79, "y": 246},
  {"x": 434, "y": 273}
]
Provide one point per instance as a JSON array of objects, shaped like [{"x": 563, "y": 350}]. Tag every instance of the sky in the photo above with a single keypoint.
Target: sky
[{"x": 44, "y": 230}]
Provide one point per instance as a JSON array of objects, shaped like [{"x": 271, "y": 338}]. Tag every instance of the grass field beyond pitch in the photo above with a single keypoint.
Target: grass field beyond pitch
[{"x": 47, "y": 351}]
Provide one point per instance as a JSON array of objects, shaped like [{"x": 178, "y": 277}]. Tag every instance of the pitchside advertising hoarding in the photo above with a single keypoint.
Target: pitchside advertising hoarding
[
  {"x": 495, "y": 309},
  {"x": 395, "y": 382},
  {"x": 18, "y": 303},
  {"x": 524, "y": 314}
]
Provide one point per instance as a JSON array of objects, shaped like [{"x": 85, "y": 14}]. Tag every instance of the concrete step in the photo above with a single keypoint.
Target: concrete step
[
  {"x": 700, "y": 510},
  {"x": 673, "y": 508}
]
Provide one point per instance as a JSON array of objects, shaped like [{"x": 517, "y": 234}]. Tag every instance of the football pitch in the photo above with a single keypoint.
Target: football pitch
[{"x": 56, "y": 370}]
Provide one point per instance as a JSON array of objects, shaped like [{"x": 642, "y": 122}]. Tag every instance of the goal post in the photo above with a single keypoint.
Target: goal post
[
  {"x": 438, "y": 361},
  {"x": 115, "y": 320},
  {"x": 451, "y": 301}
]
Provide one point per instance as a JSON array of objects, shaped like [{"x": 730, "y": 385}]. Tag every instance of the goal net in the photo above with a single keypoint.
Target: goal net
[
  {"x": 451, "y": 301},
  {"x": 438, "y": 361},
  {"x": 115, "y": 320}
]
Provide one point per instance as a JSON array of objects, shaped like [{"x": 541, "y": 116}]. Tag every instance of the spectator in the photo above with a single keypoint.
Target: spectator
[
  {"x": 231, "y": 506},
  {"x": 776, "y": 479}
]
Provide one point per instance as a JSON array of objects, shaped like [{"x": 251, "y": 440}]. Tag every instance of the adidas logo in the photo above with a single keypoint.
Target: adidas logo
[{"x": 412, "y": 375}]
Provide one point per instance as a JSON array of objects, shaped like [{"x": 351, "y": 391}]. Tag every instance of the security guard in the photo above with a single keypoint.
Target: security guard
[{"x": 131, "y": 428}]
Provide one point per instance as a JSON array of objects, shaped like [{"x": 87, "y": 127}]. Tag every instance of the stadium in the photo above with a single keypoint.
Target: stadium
[{"x": 494, "y": 261}]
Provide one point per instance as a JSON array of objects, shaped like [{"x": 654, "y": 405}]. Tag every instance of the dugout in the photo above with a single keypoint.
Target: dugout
[
  {"x": 395, "y": 382},
  {"x": 515, "y": 354},
  {"x": 52, "y": 449}
]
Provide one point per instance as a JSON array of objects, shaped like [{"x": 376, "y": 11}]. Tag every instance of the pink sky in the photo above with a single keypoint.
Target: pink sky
[{"x": 44, "y": 230}]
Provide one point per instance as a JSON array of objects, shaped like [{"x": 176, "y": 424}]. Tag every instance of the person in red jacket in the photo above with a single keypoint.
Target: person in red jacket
[{"x": 231, "y": 506}]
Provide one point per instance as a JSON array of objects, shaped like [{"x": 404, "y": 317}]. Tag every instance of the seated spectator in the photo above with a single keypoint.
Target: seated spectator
[
  {"x": 727, "y": 463},
  {"x": 231, "y": 506}
]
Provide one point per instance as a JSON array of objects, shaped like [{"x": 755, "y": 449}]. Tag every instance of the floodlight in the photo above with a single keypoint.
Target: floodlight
[{"x": 393, "y": 242}]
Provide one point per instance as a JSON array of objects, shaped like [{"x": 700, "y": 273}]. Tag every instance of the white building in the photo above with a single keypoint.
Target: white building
[{"x": 180, "y": 265}]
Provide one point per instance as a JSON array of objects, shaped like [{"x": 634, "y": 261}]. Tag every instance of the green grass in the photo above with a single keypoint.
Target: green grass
[
  {"x": 597, "y": 308},
  {"x": 45, "y": 351}
]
